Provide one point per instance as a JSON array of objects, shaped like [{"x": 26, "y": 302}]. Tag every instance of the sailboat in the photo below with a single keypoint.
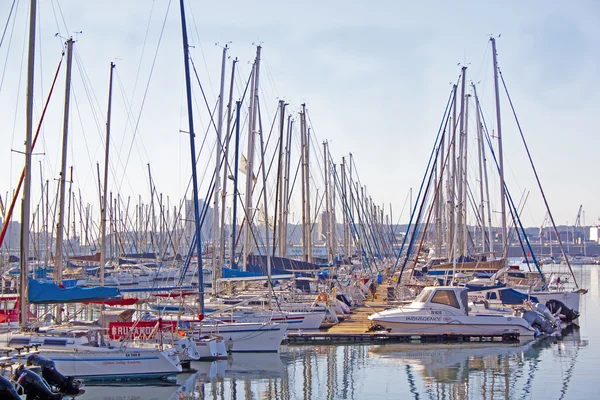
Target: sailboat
[
  {"x": 449, "y": 209},
  {"x": 77, "y": 352}
]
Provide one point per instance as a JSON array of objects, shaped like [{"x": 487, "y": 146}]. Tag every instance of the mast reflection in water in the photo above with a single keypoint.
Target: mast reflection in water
[{"x": 546, "y": 369}]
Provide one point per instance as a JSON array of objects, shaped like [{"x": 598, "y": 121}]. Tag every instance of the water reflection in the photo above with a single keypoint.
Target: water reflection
[
  {"x": 421, "y": 371},
  {"x": 553, "y": 369}
]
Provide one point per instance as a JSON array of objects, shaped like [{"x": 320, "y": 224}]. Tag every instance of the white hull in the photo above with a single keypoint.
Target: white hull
[
  {"x": 212, "y": 348},
  {"x": 248, "y": 337},
  {"x": 294, "y": 320},
  {"x": 570, "y": 299},
  {"x": 477, "y": 325},
  {"x": 115, "y": 364}
]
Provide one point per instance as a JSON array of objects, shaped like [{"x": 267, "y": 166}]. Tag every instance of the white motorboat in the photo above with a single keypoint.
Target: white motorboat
[
  {"x": 77, "y": 355},
  {"x": 445, "y": 310}
]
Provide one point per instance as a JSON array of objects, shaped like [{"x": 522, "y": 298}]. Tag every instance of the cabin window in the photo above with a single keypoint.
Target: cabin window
[
  {"x": 445, "y": 297},
  {"x": 492, "y": 296},
  {"x": 422, "y": 298}
]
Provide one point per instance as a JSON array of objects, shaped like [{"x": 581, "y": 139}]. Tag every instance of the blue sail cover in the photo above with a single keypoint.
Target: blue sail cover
[
  {"x": 46, "y": 292},
  {"x": 511, "y": 296}
]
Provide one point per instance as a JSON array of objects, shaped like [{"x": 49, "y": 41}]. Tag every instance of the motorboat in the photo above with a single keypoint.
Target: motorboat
[
  {"x": 445, "y": 310},
  {"x": 88, "y": 355}
]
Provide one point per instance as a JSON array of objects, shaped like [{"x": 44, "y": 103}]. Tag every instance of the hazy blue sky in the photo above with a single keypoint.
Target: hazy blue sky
[{"x": 375, "y": 77}]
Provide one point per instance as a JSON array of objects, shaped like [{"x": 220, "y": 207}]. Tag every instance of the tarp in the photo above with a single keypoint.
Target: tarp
[
  {"x": 233, "y": 274},
  {"x": 46, "y": 292},
  {"x": 281, "y": 263},
  {"x": 511, "y": 296},
  {"x": 259, "y": 269}
]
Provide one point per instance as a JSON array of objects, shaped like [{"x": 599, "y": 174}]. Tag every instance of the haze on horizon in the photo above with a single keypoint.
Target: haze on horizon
[{"x": 375, "y": 79}]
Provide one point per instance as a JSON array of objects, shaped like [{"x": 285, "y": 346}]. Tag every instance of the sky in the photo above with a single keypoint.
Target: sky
[{"x": 375, "y": 78}]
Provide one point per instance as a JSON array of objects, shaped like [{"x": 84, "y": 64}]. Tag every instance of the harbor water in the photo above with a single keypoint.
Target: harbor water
[{"x": 542, "y": 369}]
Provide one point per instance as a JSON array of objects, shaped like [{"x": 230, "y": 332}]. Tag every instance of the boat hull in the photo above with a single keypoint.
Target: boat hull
[
  {"x": 477, "y": 325},
  {"x": 248, "y": 337},
  {"x": 129, "y": 364}
]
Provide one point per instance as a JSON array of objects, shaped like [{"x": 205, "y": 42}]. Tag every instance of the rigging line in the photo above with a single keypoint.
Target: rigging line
[
  {"x": 137, "y": 123},
  {"x": 201, "y": 49},
  {"x": 7, "y": 22},
  {"x": 135, "y": 83},
  {"x": 509, "y": 199},
  {"x": 12, "y": 30},
  {"x": 61, "y": 15},
  {"x": 537, "y": 178},
  {"x": 442, "y": 123}
]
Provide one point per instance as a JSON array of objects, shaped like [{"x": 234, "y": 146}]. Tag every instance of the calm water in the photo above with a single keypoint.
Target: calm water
[{"x": 566, "y": 369}]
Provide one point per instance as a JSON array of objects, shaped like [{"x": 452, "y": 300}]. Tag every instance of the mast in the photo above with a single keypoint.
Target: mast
[
  {"x": 485, "y": 176},
  {"x": 250, "y": 162},
  {"x": 480, "y": 151},
  {"x": 286, "y": 189},
  {"x": 190, "y": 110},
  {"x": 63, "y": 172},
  {"x": 238, "y": 106},
  {"x": 278, "y": 228},
  {"x": 307, "y": 176},
  {"x": 26, "y": 203},
  {"x": 450, "y": 178},
  {"x": 465, "y": 167},
  {"x": 345, "y": 215},
  {"x": 216, "y": 259},
  {"x": 305, "y": 197},
  {"x": 327, "y": 205},
  {"x": 103, "y": 204},
  {"x": 500, "y": 156},
  {"x": 226, "y": 170},
  {"x": 458, "y": 176}
]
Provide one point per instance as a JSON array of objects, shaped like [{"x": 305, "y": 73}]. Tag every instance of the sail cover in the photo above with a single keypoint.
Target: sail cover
[{"x": 47, "y": 292}]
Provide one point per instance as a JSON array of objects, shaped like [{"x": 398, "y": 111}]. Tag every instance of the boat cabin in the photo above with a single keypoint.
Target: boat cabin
[{"x": 451, "y": 299}]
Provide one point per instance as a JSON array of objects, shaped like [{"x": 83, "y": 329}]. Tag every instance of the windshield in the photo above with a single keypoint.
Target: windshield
[{"x": 423, "y": 296}]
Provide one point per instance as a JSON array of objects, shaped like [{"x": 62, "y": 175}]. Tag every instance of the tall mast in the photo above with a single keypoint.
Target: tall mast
[
  {"x": 238, "y": 106},
  {"x": 500, "y": 156},
  {"x": 303, "y": 180},
  {"x": 346, "y": 212},
  {"x": 286, "y": 189},
  {"x": 485, "y": 176},
  {"x": 63, "y": 169},
  {"x": 278, "y": 228},
  {"x": 216, "y": 259},
  {"x": 190, "y": 110},
  {"x": 26, "y": 203},
  {"x": 250, "y": 162},
  {"x": 226, "y": 169},
  {"x": 450, "y": 178},
  {"x": 327, "y": 205},
  {"x": 103, "y": 205},
  {"x": 465, "y": 165},
  {"x": 458, "y": 175}
]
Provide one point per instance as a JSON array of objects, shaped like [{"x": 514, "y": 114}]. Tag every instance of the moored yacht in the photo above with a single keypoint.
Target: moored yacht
[{"x": 445, "y": 310}]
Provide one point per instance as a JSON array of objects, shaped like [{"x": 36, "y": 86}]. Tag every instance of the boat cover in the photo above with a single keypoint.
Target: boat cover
[
  {"x": 47, "y": 292},
  {"x": 511, "y": 296}
]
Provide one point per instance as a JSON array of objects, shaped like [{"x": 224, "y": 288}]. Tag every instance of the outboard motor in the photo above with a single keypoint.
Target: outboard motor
[
  {"x": 558, "y": 307},
  {"x": 536, "y": 321},
  {"x": 34, "y": 386},
  {"x": 7, "y": 390},
  {"x": 546, "y": 313},
  {"x": 65, "y": 385}
]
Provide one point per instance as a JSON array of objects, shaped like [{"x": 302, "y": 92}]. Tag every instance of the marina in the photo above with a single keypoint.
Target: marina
[{"x": 188, "y": 239}]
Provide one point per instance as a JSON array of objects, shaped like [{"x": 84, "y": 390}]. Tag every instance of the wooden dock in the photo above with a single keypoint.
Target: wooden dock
[{"x": 357, "y": 328}]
